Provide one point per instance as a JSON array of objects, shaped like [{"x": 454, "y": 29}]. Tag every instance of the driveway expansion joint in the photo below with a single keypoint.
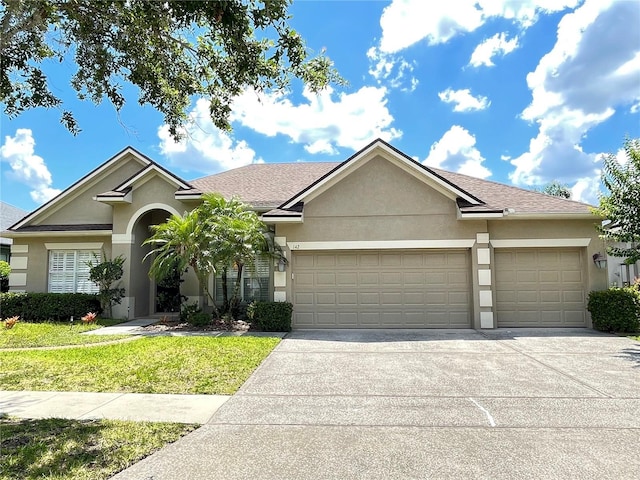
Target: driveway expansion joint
[{"x": 556, "y": 370}]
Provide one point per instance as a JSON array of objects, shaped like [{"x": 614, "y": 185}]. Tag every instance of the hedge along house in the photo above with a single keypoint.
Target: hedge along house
[{"x": 377, "y": 241}]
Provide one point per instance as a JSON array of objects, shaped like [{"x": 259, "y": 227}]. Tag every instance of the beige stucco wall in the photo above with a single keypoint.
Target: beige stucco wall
[
  {"x": 380, "y": 201},
  {"x": 80, "y": 207}
]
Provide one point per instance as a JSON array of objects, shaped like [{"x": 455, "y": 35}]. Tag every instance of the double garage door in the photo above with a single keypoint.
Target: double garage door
[
  {"x": 542, "y": 287},
  {"x": 382, "y": 289}
]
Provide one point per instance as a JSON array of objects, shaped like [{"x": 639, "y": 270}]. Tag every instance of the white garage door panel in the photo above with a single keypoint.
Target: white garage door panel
[
  {"x": 540, "y": 287},
  {"x": 382, "y": 289}
]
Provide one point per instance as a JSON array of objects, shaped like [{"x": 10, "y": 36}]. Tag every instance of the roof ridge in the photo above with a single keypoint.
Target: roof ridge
[{"x": 321, "y": 162}]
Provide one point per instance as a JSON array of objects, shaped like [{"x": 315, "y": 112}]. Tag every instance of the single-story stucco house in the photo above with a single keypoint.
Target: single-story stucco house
[{"x": 376, "y": 241}]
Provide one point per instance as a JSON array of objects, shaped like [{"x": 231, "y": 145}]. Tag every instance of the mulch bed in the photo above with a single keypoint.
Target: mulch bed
[{"x": 169, "y": 326}]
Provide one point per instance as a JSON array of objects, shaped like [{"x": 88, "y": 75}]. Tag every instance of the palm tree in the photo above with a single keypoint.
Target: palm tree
[
  {"x": 217, "y": 235},
  {"x": 238, "y": 236},
  {"x": 183, "y": 242}
]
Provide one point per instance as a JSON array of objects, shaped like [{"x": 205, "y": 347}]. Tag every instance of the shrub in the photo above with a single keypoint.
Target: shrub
[
  {"x": 271, "y": 316},
  {"x": 105, "y": 274},
  {"x": 200, "y": 319},
  {"x": 615, "y": 310},
  {"x": 5, "y": 270},
  {"x": 187, "y": 311},
  {"x": 46, "y": 307}
]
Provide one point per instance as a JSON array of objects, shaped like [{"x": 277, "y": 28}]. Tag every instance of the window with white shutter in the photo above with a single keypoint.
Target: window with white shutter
[
  {"x": 69, "y": 271},
  {"x": 254, "y": 285}
]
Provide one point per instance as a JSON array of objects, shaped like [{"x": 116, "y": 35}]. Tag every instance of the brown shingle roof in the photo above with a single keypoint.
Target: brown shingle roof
[
  {"x": 266, "y": 186},
  {"x": 499, "y": 196}
]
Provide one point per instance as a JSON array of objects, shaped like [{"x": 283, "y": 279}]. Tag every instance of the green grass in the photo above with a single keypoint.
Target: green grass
[
  {"x": 78, "y": 449},
  {"x": 203, "y": 365},
  {"x": 25, "y": 334}
]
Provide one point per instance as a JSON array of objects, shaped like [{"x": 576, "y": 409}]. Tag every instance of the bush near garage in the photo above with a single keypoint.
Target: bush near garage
[
  {"x": 5, "y": 270},
  {"x": 271, "y": 316},
  {"x": 615, "y": 309},
  {"x": 48, "y": 307}
]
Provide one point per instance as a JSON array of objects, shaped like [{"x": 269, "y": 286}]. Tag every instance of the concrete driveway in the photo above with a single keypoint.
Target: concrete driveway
[{"x": 561, "y": 403}]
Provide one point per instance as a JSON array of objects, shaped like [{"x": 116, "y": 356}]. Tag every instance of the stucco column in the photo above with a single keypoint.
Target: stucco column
[
  {"x": 19, "y": 262},
  {"x": 121, "y": 245},
  {"x": 280, "y": 278},
  {"x": 483, "y": 283}
]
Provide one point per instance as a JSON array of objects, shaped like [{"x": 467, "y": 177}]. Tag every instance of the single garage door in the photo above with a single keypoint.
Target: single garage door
[
  {"x": 382, "y": 289},
  {"x": 542, "y": 287}
]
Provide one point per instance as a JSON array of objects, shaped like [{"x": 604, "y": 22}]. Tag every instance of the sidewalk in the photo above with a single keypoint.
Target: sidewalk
[{"x": 115, "y": 406}]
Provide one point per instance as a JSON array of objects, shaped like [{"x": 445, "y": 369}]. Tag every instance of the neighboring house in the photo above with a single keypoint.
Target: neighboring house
[
  {"x": 620, "y": 273},
  {"x": 8, "y": 216},
  {"x": 377, "y": 241}
]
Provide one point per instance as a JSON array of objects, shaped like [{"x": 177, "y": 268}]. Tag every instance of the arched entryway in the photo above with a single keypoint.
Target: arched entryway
[{"x": 143, "y": 290}]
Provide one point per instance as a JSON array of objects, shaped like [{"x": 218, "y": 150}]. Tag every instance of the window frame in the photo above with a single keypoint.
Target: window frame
[
  {"x": 77, "y": 276},
  {"x": 261, "y": 272}
]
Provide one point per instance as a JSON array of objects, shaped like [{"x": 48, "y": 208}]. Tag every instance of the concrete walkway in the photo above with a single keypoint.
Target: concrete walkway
[
  {"x": 131, "y": 327},
  {"x": 115, "y": 406}
]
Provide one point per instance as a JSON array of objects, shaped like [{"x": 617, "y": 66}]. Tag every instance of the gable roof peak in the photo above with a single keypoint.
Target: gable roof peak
[
  {"x": 129, "y": 150},
  {"x": 393, "y": 154}
]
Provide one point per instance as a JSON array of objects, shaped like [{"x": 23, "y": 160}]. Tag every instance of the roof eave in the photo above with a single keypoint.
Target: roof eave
[
  {"x": 57, "y": 233},
  {"x": 273, "y": 219},
  {"x": 124, "y": 197},
  {"x": 550, "y": 215},
  {"x": 480, "y": 215},
  {"x": 187, "y": 196}
]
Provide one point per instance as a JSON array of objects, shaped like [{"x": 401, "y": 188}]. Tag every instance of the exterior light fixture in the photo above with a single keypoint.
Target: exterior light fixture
[
  {"x": 282, "y": 265},
  {"x": 599, "y": 260}
]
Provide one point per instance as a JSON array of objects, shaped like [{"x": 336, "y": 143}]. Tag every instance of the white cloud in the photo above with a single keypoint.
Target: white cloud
[
  {"x": 463, "y": 100},
  {"x": 27, "y": 167},
  {"x": 592, "y": 69},
  {"x": 392, "y": 70},
  {"x": 587, "y": 189},
  {"x": 322, "y": 123},
  {"x": 496, "y": 45},
  {"x": 205, "y": 148},
  {"x": 406, "y": 22},
  {"x": 456, "y": 151}
]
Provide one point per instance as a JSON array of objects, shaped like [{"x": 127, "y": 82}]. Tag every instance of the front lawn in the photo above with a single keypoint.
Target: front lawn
[
  {"x": 79, "y": 449},
  {"x": 187, "y": 365},
  {"x": 24, "y": 334}
]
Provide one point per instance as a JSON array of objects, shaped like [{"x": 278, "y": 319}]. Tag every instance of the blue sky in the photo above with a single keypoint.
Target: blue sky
[{"x": 516, "y": 91}]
